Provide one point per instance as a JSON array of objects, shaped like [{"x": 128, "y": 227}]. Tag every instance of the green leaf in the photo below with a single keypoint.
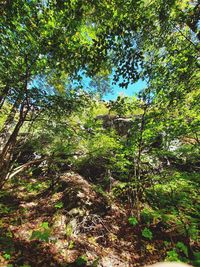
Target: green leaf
[
  {"x": 172, "y": 255},
  {"x": 7, "y": 256},
  {"x": 182, "y": 247},
  {"x": 133, "y": 221},
  {"x": 81, "y": 261},
  {"x": 41, "y": 235},
  {"x": 58, "y": 205},
  {"x": 71, "y": 244},
  {"x": 147, "y": 233},
  {"x": 45, "y": 225}
]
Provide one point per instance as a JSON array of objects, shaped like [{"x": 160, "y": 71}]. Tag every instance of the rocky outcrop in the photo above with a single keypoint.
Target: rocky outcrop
[
  {"x": 121, "y": 124},
  {"x": 79, "y": 196}
]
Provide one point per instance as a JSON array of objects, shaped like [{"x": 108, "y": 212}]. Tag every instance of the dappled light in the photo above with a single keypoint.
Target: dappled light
[{"x": 91, "y": 173}]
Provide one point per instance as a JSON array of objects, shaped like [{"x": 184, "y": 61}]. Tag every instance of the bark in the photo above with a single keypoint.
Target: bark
[
  {"x": 3, "y": 95},
  {"x": 24, "y": 167},
  {"x": 138, "y": 164},
  {"x": 193, "y": 20},
  {"x": 8, "y": 149},
  {"x": 5, "y": 132},
  {"x": 7, "y": 152}
]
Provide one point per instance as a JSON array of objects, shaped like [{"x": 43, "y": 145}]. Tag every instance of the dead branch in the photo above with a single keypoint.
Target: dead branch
[{"x": 23, "y": 167}]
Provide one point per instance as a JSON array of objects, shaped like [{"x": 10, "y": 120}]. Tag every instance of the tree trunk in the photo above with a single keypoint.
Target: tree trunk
[
  {"x": 3, "y": 95},
  {"x": 193, "y": 20},
  {"x": 5, "y": 132},
  {"x": 138, "y": 164},
  {"x": 7, "y": 152}
]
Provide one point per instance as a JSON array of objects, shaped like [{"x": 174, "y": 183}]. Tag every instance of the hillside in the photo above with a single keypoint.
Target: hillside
[
  {"x": 75, "y": 225},
  {"x": 92, "y": 174}
]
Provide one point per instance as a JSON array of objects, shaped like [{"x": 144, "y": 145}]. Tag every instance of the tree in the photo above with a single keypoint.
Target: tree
[
  {"x": 38, "y": 40},
  {"x": 152, "y": 41},
  {"x": 58, "y": 41}
]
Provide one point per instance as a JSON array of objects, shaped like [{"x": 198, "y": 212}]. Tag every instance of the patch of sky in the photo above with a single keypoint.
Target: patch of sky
[
  {"x": 132, "y": 90},
  {"x": 110, "y": 90},
  {"x": 42, "y": 84}
]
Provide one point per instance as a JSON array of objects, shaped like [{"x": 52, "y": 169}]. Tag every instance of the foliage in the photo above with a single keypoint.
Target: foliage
[
  {"x": 43, "y": 234},
  {"x": 172, "y": 255},
  {"x": 59, "y": 205},
  {"x": 182, "y": 248},
  {"x": 197, "y": 259},
  {"x": 179, "y": 253},
  {"x": 149, "y": 216},
  {"x": 58, "y": 60},
  {"x": 133, "y": 221},
  {"x": 69, "y": 230},
  {"x": 7, "y": 256},
  {"x": 71, "y": 245},
  {"x": 82, "y": 260},
  {"x": 147, "y": 233}
]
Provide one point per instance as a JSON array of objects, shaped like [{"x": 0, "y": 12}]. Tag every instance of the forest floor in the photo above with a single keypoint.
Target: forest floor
[{"x": 72, "y": 225}]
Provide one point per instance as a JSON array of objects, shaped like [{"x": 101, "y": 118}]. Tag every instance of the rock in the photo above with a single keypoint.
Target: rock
[
  {"x": 79, "y": 196},
  {"x": 77, "y": 211},
  {"x": 59, "y": 225},
  {"x": 121, "y": 124},
  {"x": 112, "y": 260}
]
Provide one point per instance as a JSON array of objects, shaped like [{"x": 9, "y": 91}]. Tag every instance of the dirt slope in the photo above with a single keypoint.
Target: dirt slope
[{"x": 74, "y": 225}]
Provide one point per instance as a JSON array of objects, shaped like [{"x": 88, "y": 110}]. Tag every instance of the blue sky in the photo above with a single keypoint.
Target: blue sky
[{"x": 132, "y": 89}]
